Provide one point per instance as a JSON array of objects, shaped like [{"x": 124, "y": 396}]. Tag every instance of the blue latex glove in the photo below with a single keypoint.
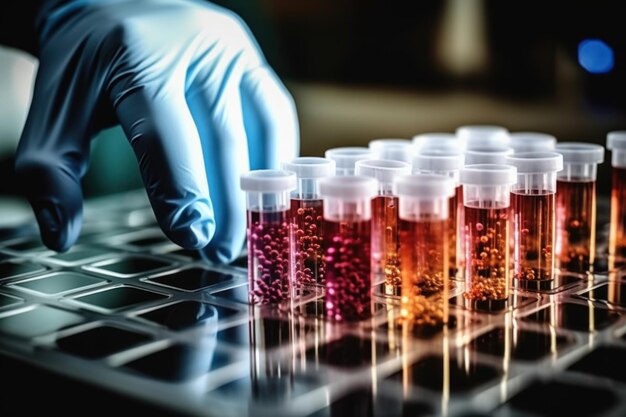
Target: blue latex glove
[{"x": 194, "y": 95}]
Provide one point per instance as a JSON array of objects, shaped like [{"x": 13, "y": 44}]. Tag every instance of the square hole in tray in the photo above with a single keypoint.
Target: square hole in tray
[
  {"x": 192, "y": 279},
  {"x": 128, "y": 266},
  {"x": 77, "y": 256},
  {"x": 12, "y": 269},
  {"x": 185, "y": 314},
  {"x": 522, "y": 344},
  {"x": 101, "y": 341},
  {"x": 120, "y": 297},
  {"x": 604, "y": 361},
  {"x": 267, "y": 389},
  {"x": 572, "y": 316},
  {"x": 38, "y": 321},
  {"x": 613, "y": 292},
  {"x": 9, "y": 300},
  {"x": 239, "y": 294},
  {"x": 348, "y": 352},
  {"x": 59, "y": 283}
]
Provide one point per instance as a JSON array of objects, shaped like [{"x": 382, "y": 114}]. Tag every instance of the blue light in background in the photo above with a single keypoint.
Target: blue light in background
[{"x": 595, "y": 56}]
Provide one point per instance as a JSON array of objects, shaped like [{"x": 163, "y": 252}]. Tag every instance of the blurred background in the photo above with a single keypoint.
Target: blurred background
[{"x": 367, "y": 69}]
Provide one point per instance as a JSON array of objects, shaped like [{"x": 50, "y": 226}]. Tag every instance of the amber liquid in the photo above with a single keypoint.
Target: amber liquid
[
  {"x": 455, "y": 240},
  {"x": 425, "y": 272},
  {"x": 533, "y": 231},
  {"x": 308, "y": 234},
  {"x": 575, "y": 225},
  {"x": 385, "y": 242},
  {"x": 617, "y": 239},
  {"x": 348, "y": 270},
  {"x": 486, "y": 256},
  {"x": 269, "y": 251}
]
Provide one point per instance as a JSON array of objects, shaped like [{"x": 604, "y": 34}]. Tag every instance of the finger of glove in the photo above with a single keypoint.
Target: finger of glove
[
  {"x": 270, "y": 119},
  {"x": 161, "y": 131}
]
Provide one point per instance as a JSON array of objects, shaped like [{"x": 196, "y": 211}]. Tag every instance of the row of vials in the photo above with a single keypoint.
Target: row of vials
[{"x": 493, "y": 208}]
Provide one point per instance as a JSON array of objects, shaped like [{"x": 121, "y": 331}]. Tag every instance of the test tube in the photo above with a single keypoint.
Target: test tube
[
  {"x": 486, "y": 197},
  {"x": 391, "y": 149},
  {"x": 307, "y": 218},
  {"x": 437, "y": 140},
  {"x": 480, "y": 136},
  {"x": 494, "y": 154},
  {"x": 531, "y": 142},
  {"x": 385, "y": 242},
  {"x": 269, "y": 234},
  {"x": 345, "y": 157},
  {"x": 447, "y": 162},
  {"x": 576, "y": 206},
  {"x": 347, "y": 243},
  {"x": 423, "y": 229},
  {"x": 534, "y": 218},
  {"x": 616, "y": 142}
]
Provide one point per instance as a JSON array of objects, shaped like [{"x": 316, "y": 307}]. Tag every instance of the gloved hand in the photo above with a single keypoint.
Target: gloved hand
[{"x": 195, "y": 97}]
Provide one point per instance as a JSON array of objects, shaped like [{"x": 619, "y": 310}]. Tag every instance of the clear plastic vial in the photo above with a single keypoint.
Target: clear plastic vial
[
  {"x": 533, "y": 203},
  {"x": 616, "y": 142},
  {"x": 307, "y": 210},
  {"x": 436, "y": 140},
  {"x": 424, "y": 249},
  {"x": 270, "y": 240},
  {"x": 488, "y": 155},
  {"x": 576, "y": 206},
  {"x": 391, "y": 149},
  {"x": 345, "y": 157},
  {"x": 347, "y": 243},
  {"x": 531, "y": 142},
  {"x": 486, "y": 197},
  {"x": 481, "y": 136},
  {"x": 447, "y": 162},
  {"x": 385, "y": 241}
]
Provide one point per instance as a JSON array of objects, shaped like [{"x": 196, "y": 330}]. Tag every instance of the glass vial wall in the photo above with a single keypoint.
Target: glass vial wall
[{"x": 616, "y": 142}]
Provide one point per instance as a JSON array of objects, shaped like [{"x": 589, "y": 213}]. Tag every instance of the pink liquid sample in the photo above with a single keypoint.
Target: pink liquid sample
[
  {"x": 385, "y": 242},
  {"x": 617, "y": 240},
  {"x": 348, "y": 278},
  {"x": 308, "y": 234},
  {"x": 486, "y": 253},
  {"x": 269, "y": 256}
]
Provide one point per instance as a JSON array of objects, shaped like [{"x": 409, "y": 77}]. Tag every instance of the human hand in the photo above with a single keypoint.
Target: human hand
[{"x": 195, "y": 97}]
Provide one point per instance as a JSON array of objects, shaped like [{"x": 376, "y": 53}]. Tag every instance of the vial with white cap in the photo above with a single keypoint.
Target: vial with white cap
[
  {"x": 486, "y": 197},
  {"x": 616, "y": 142},
  {"x": 270, "y": 237},
  {"x": 447, "y": 162},
  {"x": 488, "y": 155},
  {"x": 385, "y": 219},
  {"x": 347, "y": 246},
  {"x": 576, "y": 206},
  {"x": 481, "y": 136},
  {"x": 391, "y": 149},
  {"x": 531, "y": 142},
  {"x": 424, "y": 249},
  {"x": 437, "y": 140},
  {"x": 533, "y": 203},
  {"x": 307, "y": 218},
  {"x": 346, "y": 156}
]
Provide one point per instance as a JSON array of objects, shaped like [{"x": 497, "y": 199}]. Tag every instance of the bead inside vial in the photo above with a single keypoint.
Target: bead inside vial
[
  {"x": 269, "y": 234},
  {"x": 576, "y": 206},
  {"x": 345, "y": 157},
  {"x": 424, "y": 249},
  {"x": 533, "y": 203},
  {"x": 347, "y": 243},
  {"x": 616, "y": 142},
  {"x": 486, "y": 198},
  {"x": 385, "y": 241}
]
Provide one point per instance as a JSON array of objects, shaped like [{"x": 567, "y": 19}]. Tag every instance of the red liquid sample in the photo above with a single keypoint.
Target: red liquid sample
[
  {"x": 425, "y": 268},
  {"x": 348, "y": 274},
  {"x": 534, "y": 229},
  {"x": 486, "y": 254},
  {"x": 269, "y": 256},
  {"x": 617, "y": 240},
  {"x": 385, "y": 242},
  {"x": 308, "y": 221},
  {"x": 575, "y": 225}
]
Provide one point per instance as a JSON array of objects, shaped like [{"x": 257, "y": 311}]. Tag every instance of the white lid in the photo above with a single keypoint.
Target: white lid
[
  {"x": 580, "y": 153},
  {"x": 394, "y": 149},
  {"x": 536, "y": 162},
  {"x": 531, "y": 141},
  {"x": 487, "y": 155},
  {"x": 616, "y": 140},
  {"x": 346, "y": 156},
  {"x": 268, "y": 180},
  {"x": 436, "y": 140},
  {"x": 384, "y": 170},
  {"x": 478, "y": 136},
  {"x": 438, "y": 159},
  {"x": 425, "y": 186},
  {"x": 310, "y": 167},
  {"x": 489, "y": 174},
  {"x": 355, "y": 187}
]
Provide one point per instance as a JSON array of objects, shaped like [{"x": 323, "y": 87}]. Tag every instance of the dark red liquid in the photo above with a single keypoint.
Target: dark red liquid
[
  {"x": 455, "y": 214},
  {"x": 617, "y": 240},
  {"x": 348, "y": 276},
  {"x": 385, "y": 241},
  {"x": 308, "y": 234},
  {"x": 575, "y": 225},
  {"x": 533, "y": 231},
  {"x": 269, "y": 253},
  {"x": 486, "y": 253}
]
